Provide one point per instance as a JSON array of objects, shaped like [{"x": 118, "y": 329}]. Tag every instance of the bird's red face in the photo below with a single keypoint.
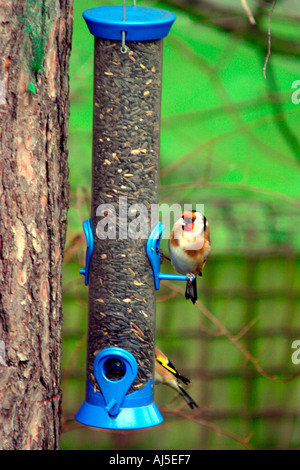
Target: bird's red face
[{"x": 189, "y": 219}]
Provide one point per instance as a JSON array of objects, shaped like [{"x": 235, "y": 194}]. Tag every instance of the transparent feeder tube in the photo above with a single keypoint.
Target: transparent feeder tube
[{"x": 126, "y": 140}]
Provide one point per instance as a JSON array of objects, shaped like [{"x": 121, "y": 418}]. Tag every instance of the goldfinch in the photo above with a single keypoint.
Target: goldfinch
[
  {"x": 189, "y": 246},
  {"x": 165, "y": 373}
]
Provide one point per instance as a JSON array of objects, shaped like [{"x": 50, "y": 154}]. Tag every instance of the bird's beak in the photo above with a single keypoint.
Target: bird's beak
[{"x": 188, "y": 225}]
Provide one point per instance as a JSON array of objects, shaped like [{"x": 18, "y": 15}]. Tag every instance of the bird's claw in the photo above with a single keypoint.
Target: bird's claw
[{"x": 159, "y": 250}]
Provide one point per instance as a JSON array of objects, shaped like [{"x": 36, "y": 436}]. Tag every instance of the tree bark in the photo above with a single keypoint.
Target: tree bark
[{"x": 34, "y": 195}]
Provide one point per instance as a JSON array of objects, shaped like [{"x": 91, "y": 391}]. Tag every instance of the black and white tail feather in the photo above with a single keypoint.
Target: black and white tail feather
[
  {"x": 191, "y": 290},
  {"x": 187, "y": 397}
]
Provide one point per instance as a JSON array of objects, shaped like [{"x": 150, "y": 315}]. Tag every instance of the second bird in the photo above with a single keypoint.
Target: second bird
[
  {"x": 165, "y": 373},
  {"x": 189, "y": 246}
]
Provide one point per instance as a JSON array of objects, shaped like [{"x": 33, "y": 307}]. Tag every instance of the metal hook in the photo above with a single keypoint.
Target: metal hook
[{"x": 124, "y": 48}]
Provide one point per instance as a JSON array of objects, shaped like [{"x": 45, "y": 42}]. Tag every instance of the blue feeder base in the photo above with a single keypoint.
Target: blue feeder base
[
  {"x": 133, "y": 414},
  {"x": 128, "y": 418}
]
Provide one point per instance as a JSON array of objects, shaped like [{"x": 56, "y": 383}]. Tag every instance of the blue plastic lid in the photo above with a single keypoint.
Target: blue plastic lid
[{"x": 141, "y": 23}]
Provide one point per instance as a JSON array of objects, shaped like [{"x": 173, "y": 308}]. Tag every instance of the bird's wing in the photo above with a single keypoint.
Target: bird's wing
[{"x": 164, "y": 361}]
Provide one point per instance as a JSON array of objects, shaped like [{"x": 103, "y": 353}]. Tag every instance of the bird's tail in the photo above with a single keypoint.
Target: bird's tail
[
  {"x": 183, "y": 379},
  {"x": 187, "y": 397},
  {"x": 191, "y": 290}
]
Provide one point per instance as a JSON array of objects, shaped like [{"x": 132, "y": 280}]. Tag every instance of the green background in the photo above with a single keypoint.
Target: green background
[{"x": 229, "y": 140}]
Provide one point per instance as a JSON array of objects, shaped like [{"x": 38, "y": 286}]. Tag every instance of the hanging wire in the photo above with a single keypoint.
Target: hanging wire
[{"x": 124, "y": 48}]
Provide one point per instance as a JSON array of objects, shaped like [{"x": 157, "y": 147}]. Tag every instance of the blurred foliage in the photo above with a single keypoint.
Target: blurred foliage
[{"x": 229, "y": 140}]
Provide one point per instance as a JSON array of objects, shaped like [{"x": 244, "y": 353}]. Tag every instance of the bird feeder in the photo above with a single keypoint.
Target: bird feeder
[{"x": 121, "y": 289}]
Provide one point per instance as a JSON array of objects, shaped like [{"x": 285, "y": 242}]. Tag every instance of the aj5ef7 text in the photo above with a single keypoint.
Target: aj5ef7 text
[{"x": 171, "y": 459}]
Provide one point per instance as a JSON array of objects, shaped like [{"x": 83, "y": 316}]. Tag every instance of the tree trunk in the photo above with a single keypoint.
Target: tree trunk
[{"x": 34, "y": 193}]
